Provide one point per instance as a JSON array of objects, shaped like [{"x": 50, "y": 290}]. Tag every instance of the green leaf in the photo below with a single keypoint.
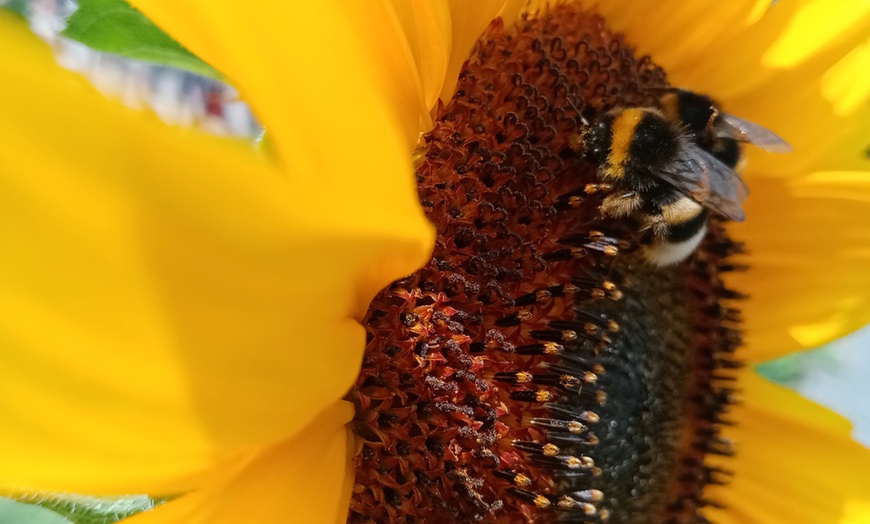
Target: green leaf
[
  {"x": 113, "y": 26},
  {"x": 18, "y": 6},
  {"x": 80, "y": 509},
  {"x": 12, "y": 512}
]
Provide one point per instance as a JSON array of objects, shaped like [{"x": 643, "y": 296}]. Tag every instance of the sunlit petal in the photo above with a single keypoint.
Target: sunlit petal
[
  {"x": 426, "y": 28},
  {"x": 728, "y": 48},
  {"x": 809, "y": 248},
  {"x": 818, "y": 26},
  {"x": 820, "y": 106},
  {"x": 194, "y": 294},
  {"x": 678, "y": 35},
  {"x": 796, "y": 462},
  {"x": 307, "y": 479},
  {"x": 469, "y": 20},
  {"x": 342, "y": 68}
]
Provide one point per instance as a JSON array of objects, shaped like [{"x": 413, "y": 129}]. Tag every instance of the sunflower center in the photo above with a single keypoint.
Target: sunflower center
[{"x": 536, "y": 369}]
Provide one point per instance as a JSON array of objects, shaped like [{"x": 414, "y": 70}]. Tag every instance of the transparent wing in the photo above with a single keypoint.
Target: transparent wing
[
  {"x": 746, "y": 131},
  {"x": 707, "y": 180}
]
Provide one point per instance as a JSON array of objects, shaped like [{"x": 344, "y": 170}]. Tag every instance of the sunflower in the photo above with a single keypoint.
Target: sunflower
[{"x": 182, "y": 313}]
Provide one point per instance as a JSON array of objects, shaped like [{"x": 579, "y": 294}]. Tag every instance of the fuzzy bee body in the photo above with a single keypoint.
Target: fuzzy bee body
[
  {"x": 636, "y": 149},
  {"x": 671, "y": 167},
  {"x": 719, "y": 133}
]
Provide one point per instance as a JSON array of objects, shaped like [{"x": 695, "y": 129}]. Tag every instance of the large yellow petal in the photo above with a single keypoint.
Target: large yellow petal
[
  {"x": 795, "y": 463},
  {"x": 678, "y": 35},
  {"x": 469, "y": 20},
  {"x": 307, "y": 479},
  {"x": 343, "y": 68},
  {"x": 441, "y": 35},
  {"x": 809, "y": 247},
  {"x": 772, "y": 46},
  {"x": 727, "y": 47},
  {"x": 167, "y": 299},
  {"x": 820, "y": 106},
  {"x": 425, "y": 28}
]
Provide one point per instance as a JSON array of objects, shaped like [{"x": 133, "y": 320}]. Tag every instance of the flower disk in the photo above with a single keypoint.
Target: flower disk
[{"x": 534, "y": 370}]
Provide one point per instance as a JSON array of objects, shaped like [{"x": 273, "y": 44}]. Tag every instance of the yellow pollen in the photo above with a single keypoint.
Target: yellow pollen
[
  {"x": 543, "y": 396},
  {"x": 551, "y": 450},
  {"x": 566, "y": 502},
  {"x": 551, "y": 348},
  {"x": 569, "y": 381},
  {"x": 573, "y": 462},
  {"x": 543, "y": 295},
  {"x": 576, "y": 427}
]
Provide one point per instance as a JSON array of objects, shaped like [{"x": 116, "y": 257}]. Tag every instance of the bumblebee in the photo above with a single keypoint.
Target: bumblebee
[
  {"x": 670, "y": 168},
  {"x": 719, "y": 133}
]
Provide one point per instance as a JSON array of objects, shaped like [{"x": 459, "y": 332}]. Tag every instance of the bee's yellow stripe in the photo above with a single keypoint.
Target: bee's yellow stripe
[
  {"x": 670, "y": 106},
  {"x": 623, "y": 130}
]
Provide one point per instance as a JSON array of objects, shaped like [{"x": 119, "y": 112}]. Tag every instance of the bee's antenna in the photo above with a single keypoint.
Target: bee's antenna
[{"x": 582, "y": 118}]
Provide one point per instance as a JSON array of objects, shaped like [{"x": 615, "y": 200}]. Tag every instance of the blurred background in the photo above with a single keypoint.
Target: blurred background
[{"x": 836, "y": 376}]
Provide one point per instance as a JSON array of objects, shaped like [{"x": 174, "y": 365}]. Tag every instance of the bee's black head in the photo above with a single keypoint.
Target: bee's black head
[
  {"x": 695, "y": 111},
  {"x": 598, "y": 138}
]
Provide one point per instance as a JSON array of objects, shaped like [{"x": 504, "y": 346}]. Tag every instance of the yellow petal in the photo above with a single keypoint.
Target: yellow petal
[
  {"x": 678, "y": 35},
  {"x": 307, "y": 479},
  {"x": 469, "y": 20},
  {"x": 847, "y": 84},
  {"x": 809, "y": 249},
  {"x": 818, "y": 25},
  {"x": 725, "y": 48},
  {"x": 343, "y": 68},
  {"x": 169, "y": 299},
  {"x": 425, "y": 25},
  {"x": 737, "y": 63},
  {"x": 821, "y": 107},
  {"x": 795, "y": 462},
  {"x": 442, "y": 34}
]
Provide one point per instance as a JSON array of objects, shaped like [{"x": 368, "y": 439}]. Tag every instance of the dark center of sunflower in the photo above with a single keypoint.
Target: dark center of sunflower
[{"x": 535, "y": 370}]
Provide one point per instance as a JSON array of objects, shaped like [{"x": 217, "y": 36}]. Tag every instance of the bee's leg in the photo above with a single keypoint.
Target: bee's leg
[
  {"x": 619, "y": 205},
  {"x": 656, "y": 225}
]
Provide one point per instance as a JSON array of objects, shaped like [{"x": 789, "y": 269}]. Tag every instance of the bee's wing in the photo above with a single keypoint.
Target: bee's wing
[
  {"x": 746, "y": 131},
  {"x": 707, "y": 180}
]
